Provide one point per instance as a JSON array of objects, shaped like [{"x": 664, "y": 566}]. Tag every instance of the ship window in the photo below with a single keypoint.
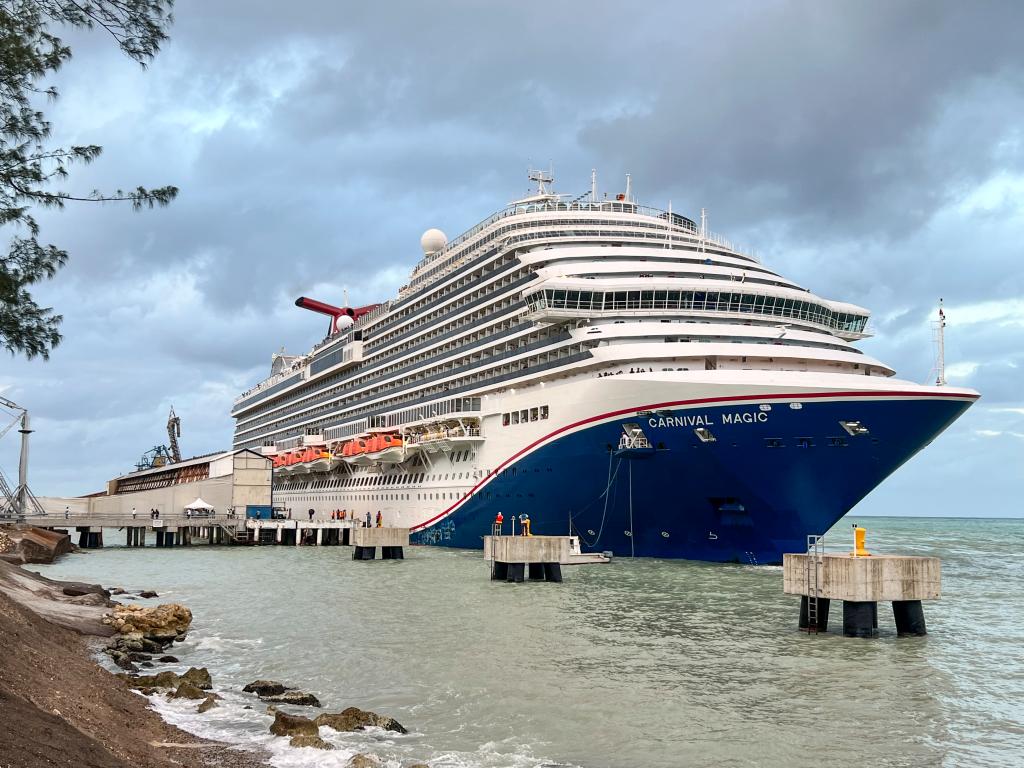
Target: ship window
[
  {"x": 773, "y": 442},
  {"x": 805, "y": 442},
  {"x": 524, "y": 416},
  {"x": 515, "y": 417},
  {"x": 543, "y": 411},
  {"x": 705, "y": 435},
  {"x": 837, "y": 442},
  {"x": 534, "y": 414}
]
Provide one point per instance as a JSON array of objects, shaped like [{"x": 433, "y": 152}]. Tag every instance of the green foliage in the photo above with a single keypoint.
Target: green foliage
[{"x": 29, "y": 51}]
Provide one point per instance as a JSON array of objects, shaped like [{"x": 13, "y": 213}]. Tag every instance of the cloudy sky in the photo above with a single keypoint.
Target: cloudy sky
[{"x": 872, "y": 151}]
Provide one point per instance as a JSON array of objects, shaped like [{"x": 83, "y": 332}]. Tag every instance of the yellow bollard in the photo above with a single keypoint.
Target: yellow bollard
[{"x": 858, "y": 542}]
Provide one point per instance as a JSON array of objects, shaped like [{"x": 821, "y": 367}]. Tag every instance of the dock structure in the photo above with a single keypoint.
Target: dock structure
[
  {"x": 174, "y": 531},
  {"x": 861, "y": 582},
  {"x": 391, "y": 541},
  {"x": 516, "y": 558}
]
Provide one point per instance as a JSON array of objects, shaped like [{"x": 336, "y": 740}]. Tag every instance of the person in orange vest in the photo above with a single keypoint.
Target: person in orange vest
[
  {"x": 380, "y": 518},
  {"x": 498, "y": 521},
  {"x": 524, "y": 521}
]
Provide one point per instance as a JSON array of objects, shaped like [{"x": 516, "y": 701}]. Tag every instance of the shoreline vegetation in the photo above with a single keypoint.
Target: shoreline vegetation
[{"x": 62, "y": 708}]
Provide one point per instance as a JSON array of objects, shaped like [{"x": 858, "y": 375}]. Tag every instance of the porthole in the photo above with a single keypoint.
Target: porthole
[
  {"x": 628, "y": 533},
  {"x": 664, "y": 534},
  {"x": 591, "y": 532}
]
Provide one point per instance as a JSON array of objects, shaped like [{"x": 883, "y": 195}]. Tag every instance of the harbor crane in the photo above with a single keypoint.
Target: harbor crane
[
  {"x": 173, "y": 433},
  {"x": 19, "y": 501},
  {"x": 162, "y": 455}
]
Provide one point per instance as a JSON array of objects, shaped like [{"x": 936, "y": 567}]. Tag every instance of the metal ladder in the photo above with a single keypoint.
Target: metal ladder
[{"x": 815, "y": 550}]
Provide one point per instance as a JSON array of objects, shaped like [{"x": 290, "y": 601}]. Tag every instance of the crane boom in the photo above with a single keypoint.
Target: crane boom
[{"x": 173, "y": 433}]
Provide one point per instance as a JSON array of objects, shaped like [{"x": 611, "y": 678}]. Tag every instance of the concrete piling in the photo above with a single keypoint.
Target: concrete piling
[
  {"x": 391, "y": 541},
  {"x": 516, "y": 558},
  {"x": 861, "y": 582}
]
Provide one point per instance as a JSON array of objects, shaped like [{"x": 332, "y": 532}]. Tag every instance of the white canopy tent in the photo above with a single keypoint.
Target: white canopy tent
[{"x": 199, "y": 505}]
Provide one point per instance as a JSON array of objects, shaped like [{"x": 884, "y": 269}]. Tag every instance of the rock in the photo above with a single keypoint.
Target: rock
[
  {"x": 355, "y": 719},
  {"x": 160, "y": 623},
  {"x": 247, "y": 706},
  {"x": 147, "y": 691},
  {"x": 148, "y": 594},
  {"x": 22, "y": 544},
  {"x": 266, "y": 688},
  {"x": 78, "y": 589},
  {"x": 310, "y": 741},
  {"x": 363, "y": 761},
  {"x": 151, "y": 646},
  {"x": 419, "y": 765},
  {"x": 292, "y": 725},
  {"x": 159, "y": 680},
  {"x": 187, "y": 691},
  {"x": 208, "y": 703},
  {"x": 140, "y": 656},
  {"x": 124, "y": 663},
  {"x": 295, "y": 698},
  {"x": 199, "y": 677},
  {"x": 117, "y": 591},
  {"x": 168, "y": 659},
  {"x": 147, "y": 664}
]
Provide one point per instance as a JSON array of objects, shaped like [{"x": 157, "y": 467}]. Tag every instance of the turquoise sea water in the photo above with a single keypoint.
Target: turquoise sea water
[{"x": 636, "y": 663}]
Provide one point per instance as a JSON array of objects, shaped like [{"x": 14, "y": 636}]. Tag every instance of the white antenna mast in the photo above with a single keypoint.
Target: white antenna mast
[
  {"x": 629, "y": 188},
  {"x": 542, "y": 179},
  {"x": 939, "y": 332},
  {"x": 593, "y": 185},
  {"x": 703, "y": 227}
]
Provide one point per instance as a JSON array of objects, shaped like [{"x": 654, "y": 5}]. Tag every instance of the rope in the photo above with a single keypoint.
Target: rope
[{"x": 604, "y": 512}]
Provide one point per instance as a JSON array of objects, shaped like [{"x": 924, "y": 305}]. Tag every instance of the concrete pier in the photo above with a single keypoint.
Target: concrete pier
[
  {"x": 391, "y": 541},
  {"x": 516, "y": 558},
  {"x": 861, "y": 583}
]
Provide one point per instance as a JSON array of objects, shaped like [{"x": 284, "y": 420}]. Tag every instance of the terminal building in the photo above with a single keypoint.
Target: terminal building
[{"x": 229, "y": 481}]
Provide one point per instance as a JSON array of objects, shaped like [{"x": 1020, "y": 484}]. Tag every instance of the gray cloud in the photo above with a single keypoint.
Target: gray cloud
[{"x": 871, "y": 151}]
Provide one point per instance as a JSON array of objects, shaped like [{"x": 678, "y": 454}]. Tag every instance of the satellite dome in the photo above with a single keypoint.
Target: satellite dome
[{"x": 433, "y": 240}]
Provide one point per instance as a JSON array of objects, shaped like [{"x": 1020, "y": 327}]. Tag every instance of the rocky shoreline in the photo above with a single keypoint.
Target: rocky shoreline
[{"x": 62, "y": 708}]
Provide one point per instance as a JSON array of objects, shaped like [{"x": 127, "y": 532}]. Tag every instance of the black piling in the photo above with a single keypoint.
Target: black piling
[
  {"x": 823, "y": 605},
  {"x": 364, "y": 553},
  {"x": 499, "y": 571},
  {"x": 553, "y": 572},
  {"x": 909, "y": 617},
  {"x": 860, "y": 619},
  {"x": 516, "y": 573}
]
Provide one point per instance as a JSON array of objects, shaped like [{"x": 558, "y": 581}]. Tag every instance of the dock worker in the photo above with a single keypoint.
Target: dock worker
[
  {"x": 497, "y": 523},
  {"x": 67, "y": 513},
  {"x": 524, "y": 521},
  {"x": 367, "y": 518},
  {"x": 133, "y": 513},
  {"x": 380, "y": 518},
  {"x": 311, "y": 513}
]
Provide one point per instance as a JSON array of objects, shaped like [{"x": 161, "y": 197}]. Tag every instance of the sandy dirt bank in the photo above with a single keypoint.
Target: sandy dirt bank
[{"x": 58, "y": 707}]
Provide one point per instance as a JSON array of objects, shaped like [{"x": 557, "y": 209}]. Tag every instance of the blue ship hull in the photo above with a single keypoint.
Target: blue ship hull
[{"x": 767, "y": 480}]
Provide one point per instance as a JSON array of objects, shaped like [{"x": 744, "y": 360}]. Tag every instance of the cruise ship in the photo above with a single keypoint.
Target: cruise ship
[{"x": 610, "y": 370}]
